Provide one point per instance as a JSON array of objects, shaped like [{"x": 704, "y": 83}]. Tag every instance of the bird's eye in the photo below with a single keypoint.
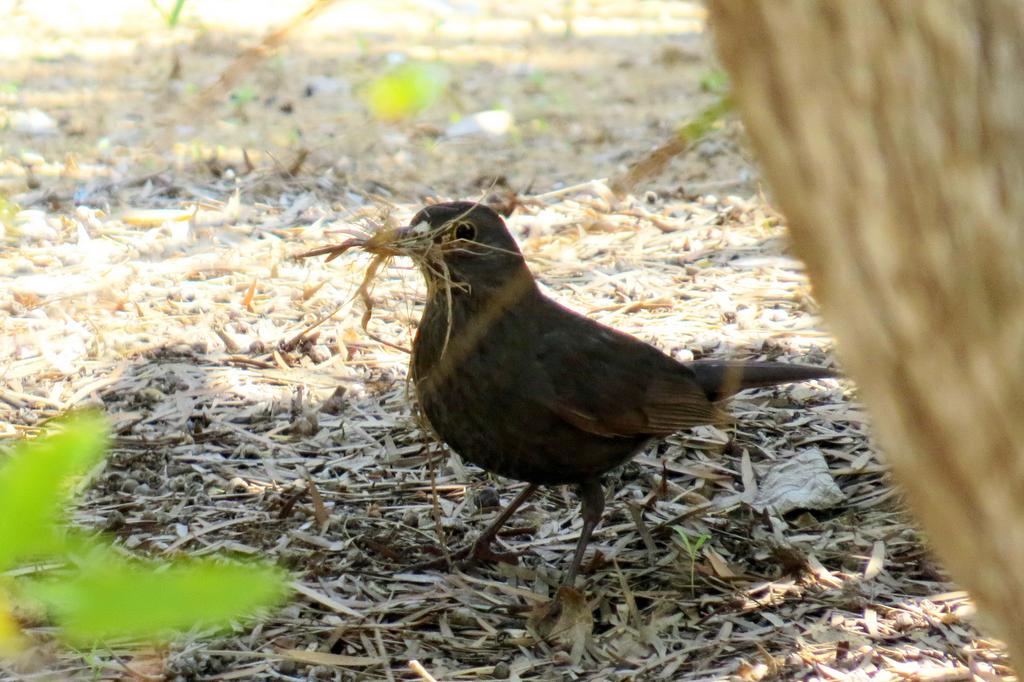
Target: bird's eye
[{"x": 464, "y": 230}]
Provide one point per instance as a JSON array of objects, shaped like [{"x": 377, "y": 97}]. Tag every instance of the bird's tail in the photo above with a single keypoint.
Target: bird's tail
[{"x": 722, "y": 378}]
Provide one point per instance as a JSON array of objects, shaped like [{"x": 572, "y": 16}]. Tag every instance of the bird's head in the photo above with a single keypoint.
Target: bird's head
[{"x": 461, "y": 243}]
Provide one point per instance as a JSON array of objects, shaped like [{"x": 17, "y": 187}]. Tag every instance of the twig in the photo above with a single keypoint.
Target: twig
[
  {"x": 558, "y": 193},
  {"x": 249, "y": 57},
  {"x": 655, "y": 162},
  {"x": 418, "y": 668}
]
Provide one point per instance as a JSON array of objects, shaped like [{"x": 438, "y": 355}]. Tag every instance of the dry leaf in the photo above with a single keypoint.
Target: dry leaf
[
  {"x": 877, "y": 561},
  {"x": 565, "y": 621},
  {"x": 802, "y": 481},
  {"x": 247, "y": 301}
]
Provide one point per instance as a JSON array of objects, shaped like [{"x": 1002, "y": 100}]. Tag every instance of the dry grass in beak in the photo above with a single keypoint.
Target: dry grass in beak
[
  {"x": 381, "y": 245},
  {"x": 333, "y": 250},
  {"x": 415, "y": 242},
  {"x": 387, "y": 241}
]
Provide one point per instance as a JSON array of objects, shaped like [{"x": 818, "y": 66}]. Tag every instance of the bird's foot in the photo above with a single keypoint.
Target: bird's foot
[
  {"x": 480, "y": 551},
  {"x": 565, "y": 621}
]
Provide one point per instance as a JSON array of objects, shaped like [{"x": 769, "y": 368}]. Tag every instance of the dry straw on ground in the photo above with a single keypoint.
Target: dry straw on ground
[{"x": 239, "y": 430}]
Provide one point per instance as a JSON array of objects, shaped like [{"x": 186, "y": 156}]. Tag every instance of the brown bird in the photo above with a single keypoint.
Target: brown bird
[{"x": 526, "y": 388}]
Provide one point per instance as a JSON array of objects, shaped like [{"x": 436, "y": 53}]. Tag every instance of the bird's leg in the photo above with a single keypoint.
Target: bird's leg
[
  {"x": 591, "y": 507},
  {"x": 481, "y": 550}
]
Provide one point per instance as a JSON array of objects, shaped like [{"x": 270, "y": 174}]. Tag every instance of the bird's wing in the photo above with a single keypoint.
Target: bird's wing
[{"x": 611, "y": 384}]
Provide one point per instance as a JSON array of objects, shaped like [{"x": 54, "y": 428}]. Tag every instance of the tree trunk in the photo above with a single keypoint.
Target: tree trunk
[{"x": 892, "y": 134}]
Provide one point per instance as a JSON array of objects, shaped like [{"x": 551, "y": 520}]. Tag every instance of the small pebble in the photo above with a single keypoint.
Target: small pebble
[
  {"x": 336, "y": 403},
  {"x": 115, "y": 520},
  {"x": 493, "y": 123},
  {"x": 488, "y": 498},
  {"x": 455, "y": 526},
  {"x": 319, "y": 353},
  {"x": 150, "y": 395},
  {"x": 305, "y": 425},
  {"x": 129, "y": 485},
  {"x": 32, "y": 122},
  {"x": 501, "y": 671},
  {"x": 23, "y": 266},
  {"x": 462, "y": 617},
  {"x": 904, "y": 621},
  {"x": 745, "y": 318},
  {"x": 683, "y": 355}
]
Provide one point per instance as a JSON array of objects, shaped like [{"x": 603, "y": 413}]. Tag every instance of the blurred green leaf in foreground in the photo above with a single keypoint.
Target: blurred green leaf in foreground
[
  {"x": 35, "y": 487},
  {"x": 172, "y": 16},
  {"x": 97, "y": 593},
  {"x": 406, "y": 90},
  {"x": 109, "y": 597}
]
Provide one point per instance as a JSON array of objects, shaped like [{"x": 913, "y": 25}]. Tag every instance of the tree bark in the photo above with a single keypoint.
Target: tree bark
[{"x": 892, "y": 135}]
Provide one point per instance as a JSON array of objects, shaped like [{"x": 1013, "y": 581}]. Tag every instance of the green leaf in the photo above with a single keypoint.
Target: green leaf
[
  {"x": 109, "y": 597},
  {"x": 243, "y": 95},
  {"x": 406, "y": 90},
  {"x": 35, "y": 485},
  {"x": 8, "y": 209},
  {"x": 714, "y": 81},
  {"x": 172, "y": 18},
  {"x": 706, "y": 119},
  {"x": 11, "y": 640}
]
